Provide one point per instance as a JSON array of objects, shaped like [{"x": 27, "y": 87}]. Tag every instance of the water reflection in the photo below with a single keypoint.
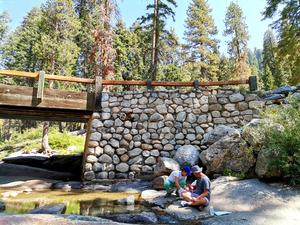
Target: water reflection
[
  {"x": 76, "y": 205},
  {"x": 100, "y": 207}
]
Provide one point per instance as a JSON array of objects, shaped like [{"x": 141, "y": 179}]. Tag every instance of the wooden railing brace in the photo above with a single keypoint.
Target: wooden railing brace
[
  {"x": 98, "y": 92},
  {"x": 149, "y": 85},
  {"x": 196, "y": 84},
  {"x": 41, "y": 84}
]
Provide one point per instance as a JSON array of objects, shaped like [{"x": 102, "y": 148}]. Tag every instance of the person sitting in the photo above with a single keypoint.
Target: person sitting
[
  {"x": 198, "y": 195},
  {"x": 177, "y": 180}
]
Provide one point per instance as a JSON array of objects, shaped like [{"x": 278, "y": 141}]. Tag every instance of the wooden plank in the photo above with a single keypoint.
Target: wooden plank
[
  {"x": 16, "y": 73},
  {"x": 30, "y": 113},
  {"x": 41, "y": 84},
  {"x": 70, "y": 79},
  {"x": 179, "y": 84},
  {"x": 26, "y": 96},
  {"x": 47, "y": 76},
  {"x": 122, "y": 82}
]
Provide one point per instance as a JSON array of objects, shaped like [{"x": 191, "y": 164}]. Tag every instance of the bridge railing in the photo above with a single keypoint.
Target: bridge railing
[{"x": 252, "y": 81}]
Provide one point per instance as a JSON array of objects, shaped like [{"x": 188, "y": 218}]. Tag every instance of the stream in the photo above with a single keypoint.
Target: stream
[{"x": 77, "y": 202}]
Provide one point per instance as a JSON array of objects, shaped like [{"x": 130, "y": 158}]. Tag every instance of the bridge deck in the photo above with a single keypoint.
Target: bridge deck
[{"x": 22, "y": 103}]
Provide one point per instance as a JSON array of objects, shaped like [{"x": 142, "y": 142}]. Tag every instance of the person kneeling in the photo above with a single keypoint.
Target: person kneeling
[
  {"x": 198, "y": 195},
  {"x": 176, "y": 180}
]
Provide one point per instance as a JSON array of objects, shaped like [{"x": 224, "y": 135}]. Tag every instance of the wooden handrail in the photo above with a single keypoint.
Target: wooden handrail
[
  {"x": 120, "y": 82},
  {"x": 15, "y": 73}
]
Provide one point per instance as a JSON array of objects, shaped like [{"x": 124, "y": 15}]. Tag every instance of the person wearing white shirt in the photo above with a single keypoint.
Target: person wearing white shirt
[{"x": 177, "y": 180}]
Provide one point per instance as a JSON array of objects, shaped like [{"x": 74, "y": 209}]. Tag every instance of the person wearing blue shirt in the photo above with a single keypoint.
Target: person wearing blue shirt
[{"x": 199, "y": 194}]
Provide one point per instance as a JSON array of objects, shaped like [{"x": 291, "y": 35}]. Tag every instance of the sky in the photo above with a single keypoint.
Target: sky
[{"x": 130, "y": 10}]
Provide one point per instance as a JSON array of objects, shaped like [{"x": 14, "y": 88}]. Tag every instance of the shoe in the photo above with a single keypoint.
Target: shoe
[
  {"x": 177, "y": 193},
  {"x": 185, "y": 203},
  {"x": 201, "y": 208}
]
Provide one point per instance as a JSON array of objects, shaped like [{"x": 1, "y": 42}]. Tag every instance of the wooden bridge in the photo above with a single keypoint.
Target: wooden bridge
[{"x": 39, "y": 103}]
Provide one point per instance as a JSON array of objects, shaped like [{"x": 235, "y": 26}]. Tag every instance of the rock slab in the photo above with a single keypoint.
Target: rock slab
[{"x": 50, "y": 209}]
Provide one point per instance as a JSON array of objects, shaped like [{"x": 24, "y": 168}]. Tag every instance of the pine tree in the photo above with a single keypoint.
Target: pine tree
[
  {"x": 144, "y": 41},
  {"x": 201, "y": 43},
  {"x": 253, "y": 63},
  {"x": 287, "y": 26},
  {"x": 4, "y": 20},
  {"x": 128, "y": 63},
  {"x": 21, "y": 52},
  {"x": 103, "y": 53},
  {"x": 225, "y": 69},
  {"x": 267, "y": 79},
  {"x": 60, "y": 26},
  {"x": 161, "y": 10},
  {"x": 270, "y": 57},
  {"x": 259, "y": 56},
  {"x": 236, "y": 28},
  {"x": 172, "y": 59},
  {"x": 88, "y": 12},
  {"x": 58, "y": 51}
]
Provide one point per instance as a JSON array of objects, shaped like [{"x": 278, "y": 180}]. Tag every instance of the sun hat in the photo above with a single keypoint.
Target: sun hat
[
  {"x": 197, "y": 169},
  {"x": 187, "y": 170}
]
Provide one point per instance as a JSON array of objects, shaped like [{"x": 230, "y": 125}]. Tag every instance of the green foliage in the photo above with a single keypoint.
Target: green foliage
[
  {"x": 201, "y": 43},
  {"x": 225, "y": 68},
  {"x": 287, "y": 24},
  {"x": 171, "y": 72},
  {"x": 272, "y": 69},
  {"x": 30, "y": 134},
  {"x": 21, "y": 50},
  {"x": 4, "y": 20},
  {"x": 285, "y": 146},
  {"x": 236, "y": 29},
  {"x": 57, "y": 140},
  {"x": 88, "y": 13},
  {"x": 229, "y": 172},
  {"x": 45, "y": 40},
  {"x": 61, "y": 141},
  {"x": 155, "y": 23},
  {"x": 267, "y": 79},
  {"x": 129, "y": 64}
]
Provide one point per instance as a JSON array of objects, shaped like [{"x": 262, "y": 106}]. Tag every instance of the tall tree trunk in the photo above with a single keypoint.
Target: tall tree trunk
[
  {"x": 155, "y": 36},
  {"x": 7, "y": 133},
  {"x": 61, "y": 128},
  {"x": 45, "y": 142}
]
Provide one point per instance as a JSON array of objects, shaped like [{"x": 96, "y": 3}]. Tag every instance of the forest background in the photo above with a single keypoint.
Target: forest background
[{"x": 85, "y": 38}]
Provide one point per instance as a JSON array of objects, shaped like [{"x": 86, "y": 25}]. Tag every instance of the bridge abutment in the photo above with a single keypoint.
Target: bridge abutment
[{"x": 126, "y": 139}]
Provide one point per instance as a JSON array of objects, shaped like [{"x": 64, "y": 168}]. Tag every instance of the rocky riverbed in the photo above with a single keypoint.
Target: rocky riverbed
[{"x": 249, "y": 201}]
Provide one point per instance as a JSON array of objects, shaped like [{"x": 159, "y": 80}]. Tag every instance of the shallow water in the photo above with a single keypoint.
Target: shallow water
[{"x": 77, "y": 202}]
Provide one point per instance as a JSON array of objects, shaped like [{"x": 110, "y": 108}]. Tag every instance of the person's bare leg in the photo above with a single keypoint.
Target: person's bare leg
[
  {"x": 199, "y": 202},
  {"x": 187, "y": 196}
]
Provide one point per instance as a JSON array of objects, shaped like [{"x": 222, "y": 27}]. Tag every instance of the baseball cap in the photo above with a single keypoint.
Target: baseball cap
[
  {"x": 187, "y": 170},
  {"x": 196, "y": 169}
]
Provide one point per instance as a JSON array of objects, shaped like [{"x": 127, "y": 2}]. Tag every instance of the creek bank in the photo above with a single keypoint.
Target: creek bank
[
  {"x": 45, "y": 219},
  {"x": 250, "y": 201}
]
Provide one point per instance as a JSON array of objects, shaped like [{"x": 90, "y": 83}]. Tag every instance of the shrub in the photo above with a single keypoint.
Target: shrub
[
  {"x": 285, "y": 145},
  {"x": 61, "y": 141}
]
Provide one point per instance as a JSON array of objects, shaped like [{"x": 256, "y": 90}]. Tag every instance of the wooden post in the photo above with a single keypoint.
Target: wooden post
[
  {"x": 98, "y": 93},
  {"x": 253, "y": 83},
  {"x": 149, "y": 85},
  {"x": 196, "y": 84},
  {"x": 41, "y": 84}
]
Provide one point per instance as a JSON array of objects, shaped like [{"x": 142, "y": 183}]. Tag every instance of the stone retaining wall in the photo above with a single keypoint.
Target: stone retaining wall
[{"x": 135, "y": 129}]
